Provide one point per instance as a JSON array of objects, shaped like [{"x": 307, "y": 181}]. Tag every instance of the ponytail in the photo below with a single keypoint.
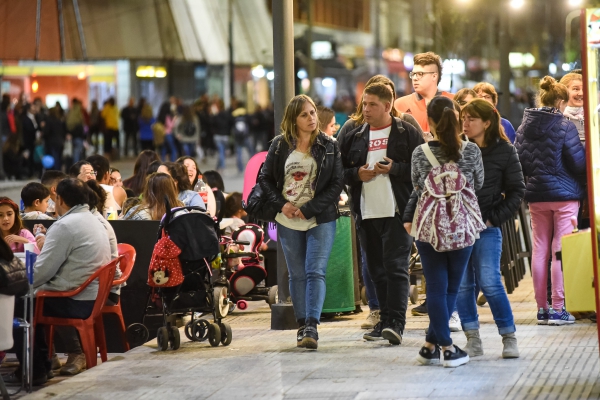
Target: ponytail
[{"x": 447, "y": 128}]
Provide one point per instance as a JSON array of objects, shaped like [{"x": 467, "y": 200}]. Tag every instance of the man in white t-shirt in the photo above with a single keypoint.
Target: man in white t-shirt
[{"x": 376, "y": 158}]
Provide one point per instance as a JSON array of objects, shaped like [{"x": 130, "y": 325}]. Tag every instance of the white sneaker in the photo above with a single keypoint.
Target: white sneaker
[
  {"x": 454, "y": 322},
  {"x": 371, "y": 320}
]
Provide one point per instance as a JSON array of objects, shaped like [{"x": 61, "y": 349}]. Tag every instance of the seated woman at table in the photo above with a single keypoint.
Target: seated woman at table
[
  {"x": 152, "y": 206},
  {"x": 179, "y": 173},
  {"x": 11, "y": 227}
]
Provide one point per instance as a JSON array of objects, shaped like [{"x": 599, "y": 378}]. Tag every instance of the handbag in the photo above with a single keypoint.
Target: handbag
[
  {"x": 159, "y": 132},
  {"x": 257, "y": 205},
  {"x": 165, "y": 267},
  {"x": 13, "y": 277}
]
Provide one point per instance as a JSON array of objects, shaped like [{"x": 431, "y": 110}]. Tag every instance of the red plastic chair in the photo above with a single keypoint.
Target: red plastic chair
[
  {"x": 126, "y": 266},
  {"x": 90, "y": 337}
]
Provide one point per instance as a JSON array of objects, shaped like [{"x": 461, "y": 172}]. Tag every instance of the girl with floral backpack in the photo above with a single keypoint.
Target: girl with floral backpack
[{"x": 445, "y": 173}]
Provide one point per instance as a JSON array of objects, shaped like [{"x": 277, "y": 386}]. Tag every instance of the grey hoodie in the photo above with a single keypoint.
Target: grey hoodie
[{"x": 76, "y": 246}]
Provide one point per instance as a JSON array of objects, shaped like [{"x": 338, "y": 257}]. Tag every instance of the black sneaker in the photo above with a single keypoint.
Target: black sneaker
[
  {"x": 300, "y": 336},
  {"x": 14, "y": 379},
  {"x": 456, "y": 358},
  {"x": 375, "y": 334},
  {"x": 420, "y": 309},
  {"x": 428, "y": 357},
  {"x": 311, "y": 337},
  {"x": 393, "y": 333}
]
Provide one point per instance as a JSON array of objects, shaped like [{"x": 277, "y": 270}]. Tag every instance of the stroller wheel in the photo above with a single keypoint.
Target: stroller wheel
[
  {"x": 414, "y": 294},
  {"x": 220, "y": 301},
  {"x": 214, "y": 335},
  {"x": 174, "y": 339},
  {"x": 199, "y": 330},
  {"x": 137, "y": 334},
  {"x": 188, "y": 331},
  {"x": 273, "y": 295},
  {"x": 363, "y": 296},
  {"x": 162, "y": 338},
  {"x": 226, "y": 334}
]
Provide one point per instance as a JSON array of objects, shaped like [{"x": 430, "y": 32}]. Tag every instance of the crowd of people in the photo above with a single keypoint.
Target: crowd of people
[
  {"x": 35, "y": 138},
  {"x": 389, "y": 156}
]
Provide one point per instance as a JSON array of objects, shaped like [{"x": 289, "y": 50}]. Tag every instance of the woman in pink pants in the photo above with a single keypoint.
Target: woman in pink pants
[{"x": 553, "y": 161}]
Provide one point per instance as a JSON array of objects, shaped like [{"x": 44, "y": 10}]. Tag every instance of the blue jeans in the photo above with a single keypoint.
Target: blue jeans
[
  {"x": 239, "y": 147},
  {"x": 443, "y": 273},
  {"x": 78, "y": 150},
  {"x": 306, "y": 254},
  {"x": 189, "y": 149},
  {"x": 369, "y": 285},
  {"x": 484, "y": 269},
  {"x": 170, "y": 146},
  {"x": 221, "y": 142}
]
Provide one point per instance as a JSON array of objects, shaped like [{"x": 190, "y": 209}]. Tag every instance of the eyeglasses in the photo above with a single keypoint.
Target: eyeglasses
[{"x": 419, "y": 75}]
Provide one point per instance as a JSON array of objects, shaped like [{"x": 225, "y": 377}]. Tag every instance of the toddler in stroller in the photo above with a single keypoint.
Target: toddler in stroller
[
  {"x": 245, "y": 277},
  {"x": 180, "y": 279}
]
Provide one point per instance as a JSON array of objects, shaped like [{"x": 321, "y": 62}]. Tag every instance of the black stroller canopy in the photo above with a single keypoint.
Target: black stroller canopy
[{"x": 194, "y": 232}]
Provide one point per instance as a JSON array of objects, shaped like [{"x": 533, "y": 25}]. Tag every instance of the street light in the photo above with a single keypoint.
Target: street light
[{"x": 516, "y": 4}]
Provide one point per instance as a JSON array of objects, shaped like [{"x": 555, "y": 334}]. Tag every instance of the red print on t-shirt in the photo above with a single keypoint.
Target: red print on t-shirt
[{"x": 378, "y": 144}]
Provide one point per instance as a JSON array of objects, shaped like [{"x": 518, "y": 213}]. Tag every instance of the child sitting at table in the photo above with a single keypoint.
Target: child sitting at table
[
  {"x": 35, "y": 197},
  {"x": 11, "y": 227}
]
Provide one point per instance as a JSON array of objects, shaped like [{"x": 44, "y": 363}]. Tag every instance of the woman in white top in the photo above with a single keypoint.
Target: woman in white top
[{"x": 302, "y": 178}]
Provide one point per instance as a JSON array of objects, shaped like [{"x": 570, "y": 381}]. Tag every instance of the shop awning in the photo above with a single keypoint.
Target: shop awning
[
  {"x": 203, "y": 29},
  {"x": 182, "y": 30}
]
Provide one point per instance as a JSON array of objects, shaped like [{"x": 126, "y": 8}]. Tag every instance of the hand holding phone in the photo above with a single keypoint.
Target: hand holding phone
[{"x": 384, "y": 162}]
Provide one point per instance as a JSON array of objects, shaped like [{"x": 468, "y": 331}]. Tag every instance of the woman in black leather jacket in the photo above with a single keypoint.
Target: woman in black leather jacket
[{"x": 302, "y": 178}]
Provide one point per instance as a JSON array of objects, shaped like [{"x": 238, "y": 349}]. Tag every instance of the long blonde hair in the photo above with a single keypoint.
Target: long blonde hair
[
  {"x": 288, "y": 123},
  {"x": 159, "y": 185}
]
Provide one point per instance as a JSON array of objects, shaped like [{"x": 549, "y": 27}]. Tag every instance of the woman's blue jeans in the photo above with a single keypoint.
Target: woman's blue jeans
[
  {"x": 443, "y": 273},
  {"x": 221, "y": 142},
  {"x": 170, "y": 146},
  {"x": 484, "y": 269},
  {"x": 306, "y": 254}
]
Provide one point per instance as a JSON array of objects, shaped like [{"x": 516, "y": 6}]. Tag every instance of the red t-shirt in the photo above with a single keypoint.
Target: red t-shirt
[{"x": 414, "y": 105}]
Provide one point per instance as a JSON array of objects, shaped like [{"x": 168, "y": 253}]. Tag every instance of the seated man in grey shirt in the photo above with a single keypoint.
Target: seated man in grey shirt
[{"x": 75, "y": 246}]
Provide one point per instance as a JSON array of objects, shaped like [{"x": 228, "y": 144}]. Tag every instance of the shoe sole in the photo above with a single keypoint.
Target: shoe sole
[
  {"x": 299, "y": 344},
  {"x": 419, "y": 314},
  {"x": 391, "y": 336},
  {"x": 427, "y": 361},
  {"x": 543, "y": 322},
  {"x": 455, "y": 363},
  {"x": 560, "y": 322},
  {"x": 454, "y": 329},
  {"x": 372, "y": 338},
  {"x": 309, "y": 343},
  {"x": 508, "y": 356},
  {"x": 71, "y": 374}
]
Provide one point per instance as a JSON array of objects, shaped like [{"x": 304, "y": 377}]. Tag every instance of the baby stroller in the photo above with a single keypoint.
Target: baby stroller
[
  {"x": 245, "y": 278},
  {"x": 195, "y": 232}
]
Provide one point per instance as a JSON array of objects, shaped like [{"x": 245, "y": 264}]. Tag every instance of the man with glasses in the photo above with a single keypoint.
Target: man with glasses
[
  {"x": 82, "y": 170},
  {"x": 426, "y": 76}
]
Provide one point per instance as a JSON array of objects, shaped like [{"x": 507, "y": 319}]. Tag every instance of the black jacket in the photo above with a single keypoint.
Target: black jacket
[
  {"x": 503, "y": 187},
  {"x": 403, "y": 140},
  {"x": 330, "y": 172}
]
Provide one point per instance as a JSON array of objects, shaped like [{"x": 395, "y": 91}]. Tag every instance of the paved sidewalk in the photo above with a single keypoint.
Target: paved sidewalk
[{"x": 556, "y": 363}]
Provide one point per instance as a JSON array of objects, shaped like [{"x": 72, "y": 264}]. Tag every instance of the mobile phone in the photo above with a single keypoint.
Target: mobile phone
[{"x": 383, "y": 162}]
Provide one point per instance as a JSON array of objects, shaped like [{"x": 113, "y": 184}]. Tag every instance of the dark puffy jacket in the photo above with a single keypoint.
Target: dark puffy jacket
[
  {"x": 330, "y": 173},
  {"x": 552, "y": 156},
  {"x": 503, "y": 186}
]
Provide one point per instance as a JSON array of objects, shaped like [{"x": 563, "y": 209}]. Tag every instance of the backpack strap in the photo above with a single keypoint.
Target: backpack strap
[{"x": 429, "y": 154}]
